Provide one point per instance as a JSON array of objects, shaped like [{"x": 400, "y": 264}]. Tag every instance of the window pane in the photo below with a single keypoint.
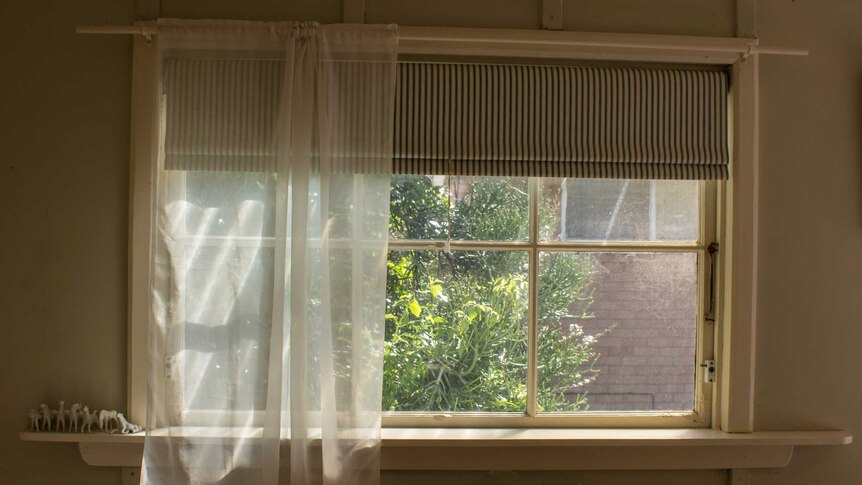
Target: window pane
[
  {"x": 456, "y": 331},
  {"x": 226, "y": 317},
  {"x": 229, "y": 203},
  {"x": 619, "y": 333},
  {"x": 618, "y": 210},
  {"x": 226, "y": 285},
  {"x": 482, "y": 208}
]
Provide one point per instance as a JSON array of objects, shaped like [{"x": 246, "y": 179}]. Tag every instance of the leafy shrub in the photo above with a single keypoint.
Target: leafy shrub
[{"x": 456, "y": 331}]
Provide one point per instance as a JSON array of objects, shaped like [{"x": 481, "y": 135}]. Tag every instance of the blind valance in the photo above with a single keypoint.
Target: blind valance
[{"x": 473, "y": 119}]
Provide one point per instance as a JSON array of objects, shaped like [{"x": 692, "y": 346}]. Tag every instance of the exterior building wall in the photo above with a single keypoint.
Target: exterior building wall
[
  {"x": 645, "y": 311},
  {"x": 644, "y": 305}
]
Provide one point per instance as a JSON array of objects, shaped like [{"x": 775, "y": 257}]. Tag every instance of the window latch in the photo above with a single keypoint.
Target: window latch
[
  {"x": 708, "y": 367},
  {"x": 712, "y": 250}
]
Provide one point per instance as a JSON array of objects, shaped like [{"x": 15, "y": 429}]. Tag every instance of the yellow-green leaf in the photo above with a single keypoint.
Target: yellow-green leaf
[{"x": 415, "y": 308}]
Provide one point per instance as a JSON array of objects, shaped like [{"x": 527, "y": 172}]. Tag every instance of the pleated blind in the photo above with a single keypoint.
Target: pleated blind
[
  {"x": 221, "y": 114},
  {"x": 597, "y": 122},
  {"x": 473, "y": 119}
]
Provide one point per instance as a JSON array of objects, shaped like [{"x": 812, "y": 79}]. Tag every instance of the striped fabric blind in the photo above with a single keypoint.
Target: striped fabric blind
[
  {"x": 544, "y": 121},
  {"x": 220, "y": 114},
  {"x": 472, "y": 119}
]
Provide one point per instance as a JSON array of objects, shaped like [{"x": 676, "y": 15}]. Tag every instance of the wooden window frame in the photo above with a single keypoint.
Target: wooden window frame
[{"x": 732, "y": 399}]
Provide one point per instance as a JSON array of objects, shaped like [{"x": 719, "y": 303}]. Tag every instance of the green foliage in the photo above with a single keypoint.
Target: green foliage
[
  {"x": 460, "y": 348},
  {"x": 456, "y": 331},
  {"x": 416, "y": 209}
]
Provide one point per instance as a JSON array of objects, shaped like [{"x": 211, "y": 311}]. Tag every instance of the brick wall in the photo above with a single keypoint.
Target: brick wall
[{"x": 646, "y": 304}]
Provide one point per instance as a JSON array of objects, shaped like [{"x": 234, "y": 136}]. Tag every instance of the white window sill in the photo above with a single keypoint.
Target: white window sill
[{"x": 530, "y": 449}]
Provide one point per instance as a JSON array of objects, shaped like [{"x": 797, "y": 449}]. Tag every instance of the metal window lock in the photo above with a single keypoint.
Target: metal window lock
[{"x": 708, "y": 371}]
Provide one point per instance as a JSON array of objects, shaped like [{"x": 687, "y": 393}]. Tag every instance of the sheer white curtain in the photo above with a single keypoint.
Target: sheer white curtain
[{"x": 269, "y": 260}]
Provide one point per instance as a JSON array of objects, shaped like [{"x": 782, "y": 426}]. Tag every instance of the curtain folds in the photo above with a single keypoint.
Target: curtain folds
[{"x": 269, "y": 278}]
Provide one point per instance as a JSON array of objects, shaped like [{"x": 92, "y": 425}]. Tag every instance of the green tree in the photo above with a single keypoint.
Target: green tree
[{"x": 456, "y": 333}]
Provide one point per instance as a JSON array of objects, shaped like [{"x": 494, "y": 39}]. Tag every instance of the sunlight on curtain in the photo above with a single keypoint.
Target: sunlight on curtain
[{"x": 270, "y": 255}]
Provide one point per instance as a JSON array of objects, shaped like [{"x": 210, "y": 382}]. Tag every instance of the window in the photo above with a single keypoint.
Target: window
[
  {"x": 223, "y": 227},
  {"x": 511, "y": 298},
  {"x": 544, "y": 297},
  {"x": 649, "y": 223},
  {"x": 548, "y": 222}
]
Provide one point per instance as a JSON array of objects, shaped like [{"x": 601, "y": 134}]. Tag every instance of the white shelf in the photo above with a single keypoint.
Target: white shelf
[
  {"x": 72, "y": 437},
  {"x": 529, "y": 449}
]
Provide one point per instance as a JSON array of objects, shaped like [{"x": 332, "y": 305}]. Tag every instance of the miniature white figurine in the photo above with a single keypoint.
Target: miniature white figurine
[
  {"x": 87, "y": 420},
  {"x": 46, "y": 416},
  {"x": 35, "y": 420},
  {"x": 74, "y": 413},
  {"x": 125, "y": 427},
  {"x": 106, "y": 418},
  {"x": 108, "y": 421},
  {"x": 61, "y": 416}
]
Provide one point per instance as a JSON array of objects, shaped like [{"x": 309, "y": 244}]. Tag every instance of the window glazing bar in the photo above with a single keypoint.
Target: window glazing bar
[{"x": 533, "y": 304}]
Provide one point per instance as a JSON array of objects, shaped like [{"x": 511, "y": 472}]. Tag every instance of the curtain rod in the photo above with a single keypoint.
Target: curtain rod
[{"x": 450, "y": 40}]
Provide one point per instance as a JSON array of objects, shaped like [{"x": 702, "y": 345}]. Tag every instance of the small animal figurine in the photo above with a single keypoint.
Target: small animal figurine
[
  {"x": 106, "y": 419},
  {"x": 61, "y": 416},
  {"x": 46, "y": 416},
  {"x": 74, "y": 414},
  {"x": 125, "y": 427},
  {"x": 87, "y": 420},
  {"x": 35, "y": 420}
]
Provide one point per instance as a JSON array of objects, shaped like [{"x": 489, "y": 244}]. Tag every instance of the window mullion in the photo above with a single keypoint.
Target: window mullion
[{"x": 532, "y": 320}]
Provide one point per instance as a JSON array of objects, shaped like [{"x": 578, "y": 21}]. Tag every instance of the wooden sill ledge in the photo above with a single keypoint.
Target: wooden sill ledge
[{"x": 529, "y": 449}]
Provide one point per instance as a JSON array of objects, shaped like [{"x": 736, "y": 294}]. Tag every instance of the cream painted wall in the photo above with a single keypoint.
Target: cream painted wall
[
  {"x": 810, "y": 308},
  {"x": 64, "y": 139},
  {"x": 64, "y": 143}
]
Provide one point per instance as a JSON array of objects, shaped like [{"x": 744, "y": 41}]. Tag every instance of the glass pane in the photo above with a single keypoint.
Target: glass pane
[
  {"x": 617, "y": 331},
  {"x": 482, "y": 208},
  {"x": 618, "y": 210},
  {"x": 226, "y": 317},
  {"x": 229, "y": 203},
  {"x": 456, "y": 331}
]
